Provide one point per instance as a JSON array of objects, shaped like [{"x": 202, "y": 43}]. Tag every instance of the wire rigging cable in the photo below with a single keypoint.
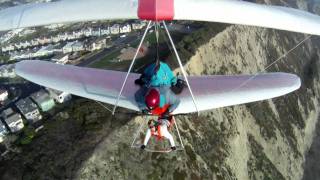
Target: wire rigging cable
[
  {"x": 272, "y": 63},
  {"x": 131, "y": 65},
  {"x": 181, "y": 67}
]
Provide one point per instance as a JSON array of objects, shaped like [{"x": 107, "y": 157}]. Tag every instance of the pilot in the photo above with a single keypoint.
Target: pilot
[
  {"x": 159, "y": 129},
  {"x": 155, "y": 95},
  {"x": 157, "y": 74},
  {"x": 159, "y": 101}
]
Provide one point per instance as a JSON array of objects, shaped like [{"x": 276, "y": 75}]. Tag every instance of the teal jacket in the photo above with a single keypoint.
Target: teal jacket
[{"x": 163, "y": 77}]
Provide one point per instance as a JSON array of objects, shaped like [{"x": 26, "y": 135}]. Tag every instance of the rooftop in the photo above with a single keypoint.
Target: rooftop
[
  {"x": 13, "y": 118},
  {"x": 7, "y": 112},
  {"x": 26, "y": 105},
  {"x": 40, "y": 96}
]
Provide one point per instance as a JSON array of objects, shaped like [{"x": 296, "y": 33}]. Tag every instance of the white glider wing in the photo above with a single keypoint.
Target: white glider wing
[
  {"x": 66, "y": 11},
  {"x": 210, "y": 91},
  {"x": 224, "y": 11},
  {"x": 247, "y": 13}
]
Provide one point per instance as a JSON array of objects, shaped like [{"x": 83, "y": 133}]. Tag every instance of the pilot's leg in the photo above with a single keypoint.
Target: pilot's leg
[
  {"x": 146, "y": 139},
  {"x": 167, "y": 135}
]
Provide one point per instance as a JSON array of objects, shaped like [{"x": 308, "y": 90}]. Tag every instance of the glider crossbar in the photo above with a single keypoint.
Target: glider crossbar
[
  {"x": 129, "y": 70},
  {"x": 142, "y": 122},
  {"x": 181, "y": 66}
]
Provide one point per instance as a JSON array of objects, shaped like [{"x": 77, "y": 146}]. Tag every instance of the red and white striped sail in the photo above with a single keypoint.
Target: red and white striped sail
[{"x": 224, "y": 11}]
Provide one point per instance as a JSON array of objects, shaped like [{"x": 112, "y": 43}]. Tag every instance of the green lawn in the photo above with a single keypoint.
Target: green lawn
[{"x": 106, "y": 61}]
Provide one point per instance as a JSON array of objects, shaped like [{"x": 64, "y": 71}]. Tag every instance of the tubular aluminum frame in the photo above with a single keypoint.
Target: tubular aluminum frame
[
  {"x": 181, "y": 67},
  {"x": 129, "y": 70}
]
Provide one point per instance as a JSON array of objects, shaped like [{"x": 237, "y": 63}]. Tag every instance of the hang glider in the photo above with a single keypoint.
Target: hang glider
[
  {"x": 211, "y": 91},
  {"x": 224, "y": 11}
]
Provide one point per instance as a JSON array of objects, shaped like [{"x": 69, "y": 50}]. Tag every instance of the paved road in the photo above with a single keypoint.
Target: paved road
[{"x": 118, "y": 44}]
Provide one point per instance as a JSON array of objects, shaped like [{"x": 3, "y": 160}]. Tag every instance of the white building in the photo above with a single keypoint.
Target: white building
[
  {"x": 3, "y": 131},
  {"x": 8, "y": 48},
  {"x": 29, "y": 110},
  {"x": 7, "y": 71},
  {"x": 3, "y": 95},
  {"x": 59, "y": 96},
  {"x": 54, "y": 26},
  {"x": 105, "y": 31},
  {"x": 115, "y": 29},
  {"x": 137, "y": 25},
  {"x": 99, "y": 44},
  {"x": 125, "y": 28},
  {"x": 45, "y": 51},
  {"x": 78, "y": 46},
  {"x": 13, "y": 120},
  {"x": 73, "y": 47}
]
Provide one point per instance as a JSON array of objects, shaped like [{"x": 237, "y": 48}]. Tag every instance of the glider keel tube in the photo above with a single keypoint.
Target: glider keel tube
[{"x": 211, "y": 91}]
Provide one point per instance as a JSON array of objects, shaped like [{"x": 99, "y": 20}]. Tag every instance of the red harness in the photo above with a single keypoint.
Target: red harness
[
  {"x": 156, "y": 130},
  {"x": 158, "y": 111}
]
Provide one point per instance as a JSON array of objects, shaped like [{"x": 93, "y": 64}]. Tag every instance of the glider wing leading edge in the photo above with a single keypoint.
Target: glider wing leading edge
[
  {"x": 210, "y": 91},
  {"x": 67, "y": 11},
  {"x": 224, "y": 11}
]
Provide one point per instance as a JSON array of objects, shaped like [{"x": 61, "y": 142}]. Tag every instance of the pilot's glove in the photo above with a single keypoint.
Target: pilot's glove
[{"x": 139, "y": 82}]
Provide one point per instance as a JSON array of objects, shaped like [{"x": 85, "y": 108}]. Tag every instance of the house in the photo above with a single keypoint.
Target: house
[
  {"x": 115, "y": 29},
  {"x": 67, "y": 48},
  {"x": 45, "y": 51},
  {"x": 29, "y": 110},
  {"x": 99, "y": 44},
  {"x": 73, "y": 47},
  {"x": 125, "y": 28},
  {"x": 54, "y": 26},
  {"x": 105, "y": 31},
  {"x": 3, "y": 131},
  {"x": 7, "y": 71},
  {"x": 59, "y": 96},
  {"x": 137, "y": 25},
  {"x": 8, "y": 48},
  {"x": 77, "y": 46},
  {"x": 43, "y": 100},
  {"x": 13, "y": 120},
  {"x": 3, "y": 95}
]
